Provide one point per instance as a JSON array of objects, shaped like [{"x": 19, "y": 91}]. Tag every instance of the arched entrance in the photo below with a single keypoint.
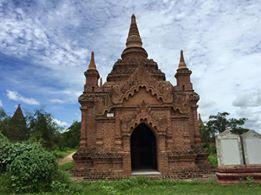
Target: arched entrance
[{"x": 143, "y": 149}]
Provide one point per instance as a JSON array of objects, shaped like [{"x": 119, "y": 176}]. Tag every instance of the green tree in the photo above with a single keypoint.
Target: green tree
[
  {"x": 4, "y": 120},
  {"x": 71, "y": 137},
  {"x": 207, "y": 136},
  {"x": 43, "y": 128},
  {"x": 3, "y": 115},
  {"x": 236, "y": 125},
  {"x": 217, "y": 124},
  {"x": 220, "y": 122}
]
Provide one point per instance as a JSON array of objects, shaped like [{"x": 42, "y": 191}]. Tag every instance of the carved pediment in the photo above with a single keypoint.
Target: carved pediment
[
  {"x": 157, "y": 120},
  {"x": 142, "y": 79},
  {"x": 141, "y": 94}
]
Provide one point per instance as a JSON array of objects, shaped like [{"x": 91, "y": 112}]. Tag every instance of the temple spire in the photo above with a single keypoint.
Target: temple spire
[
  {"x": 182, "y": 63},
  {"x": 18, "y": 112},
  {"x": 183, "y": 75},
  {"x": 133, "y": 39},
  {"x": 134, "y": 43},
  {"x": 18, "y": 130},
  {"x": 92, "y": 64},
  {"x": 92, "y": 75}
]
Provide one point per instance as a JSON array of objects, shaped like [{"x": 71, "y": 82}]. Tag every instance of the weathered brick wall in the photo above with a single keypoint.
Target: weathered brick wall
[
  {"x": 180, "y": 135},
  {"x": 105, "y": 134},
  {"x": 90, "y": 127}
]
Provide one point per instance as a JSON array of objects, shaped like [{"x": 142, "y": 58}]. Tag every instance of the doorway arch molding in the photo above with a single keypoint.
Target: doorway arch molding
[
  {"x": 147, "y": 121},
  {"x": 153, "y": 120}
]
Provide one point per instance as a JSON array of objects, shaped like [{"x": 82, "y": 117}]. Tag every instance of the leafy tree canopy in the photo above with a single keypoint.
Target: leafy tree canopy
[
  {"x": 71, "y": 138},
  {"x": 43, "y": 128},
  {"x": 219, "y": 123}
]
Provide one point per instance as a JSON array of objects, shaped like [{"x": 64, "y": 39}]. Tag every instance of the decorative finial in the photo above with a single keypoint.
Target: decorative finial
[
  {"x": 181, "y": 56},
  {"x": 182, "y": 63},
  {"x": 92, "y": 64},
  {"x": 133, "y": 39},
  {"x": 133, "y": 19}
]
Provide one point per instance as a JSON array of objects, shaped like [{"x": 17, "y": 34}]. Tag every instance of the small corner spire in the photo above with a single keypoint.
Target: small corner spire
[
  {"x": 182, "y": 63},
  {"x": 200, "y": 119},
  {"x": 92, "y": 64}
]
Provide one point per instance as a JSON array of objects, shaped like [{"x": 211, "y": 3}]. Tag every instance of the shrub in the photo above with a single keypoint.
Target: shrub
[
  {"x": 212, "y": 158},
  {"x": 4, "y": 183},
  {"x": 60, "y": 187},
  {"x": 33, "y": 170},
  {"x": 28, "y": 167},
  {"x": 4, "y": 148},
  {"x": 9, "y": 151},
  {"x": 62, "y": 183},
  {"x": 3, "y": 138}
]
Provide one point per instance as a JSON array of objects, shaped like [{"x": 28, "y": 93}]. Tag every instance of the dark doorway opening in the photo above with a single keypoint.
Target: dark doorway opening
[{"x": 143, "y": 149}]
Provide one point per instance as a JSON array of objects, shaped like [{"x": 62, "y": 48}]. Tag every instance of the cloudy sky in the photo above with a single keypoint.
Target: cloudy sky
[{"x": 45, "y": 48}]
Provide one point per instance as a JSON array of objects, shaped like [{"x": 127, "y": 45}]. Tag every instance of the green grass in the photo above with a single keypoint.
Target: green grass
[
  {"x": 61, "y": 153},
  {"x": 66, "y": 166},
  {"x": 145, "y": 186}
]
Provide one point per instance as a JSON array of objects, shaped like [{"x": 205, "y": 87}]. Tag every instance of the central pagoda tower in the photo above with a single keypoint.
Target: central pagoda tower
[{"x": 137, "y": 121}]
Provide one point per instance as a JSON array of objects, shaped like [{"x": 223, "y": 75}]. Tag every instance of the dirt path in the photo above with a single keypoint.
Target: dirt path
[{"x": 66, "y": 159}]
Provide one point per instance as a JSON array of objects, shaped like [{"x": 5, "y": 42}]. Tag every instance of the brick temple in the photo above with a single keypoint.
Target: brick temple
[{"x": 137, "y": 122}]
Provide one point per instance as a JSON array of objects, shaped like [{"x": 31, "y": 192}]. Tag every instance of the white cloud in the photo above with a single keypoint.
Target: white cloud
[
  {"x": 221, "y": 42},
  {"x": 253, "y": 114},
  {"x": 56, "y": 101},
  {"x": 60, "y": 123},
  {"x": 1, "y": 103},
  {"x": 251, "y": 99},
  {"x": 13, "y": 95},
  {"x": 23, "y": 36}
]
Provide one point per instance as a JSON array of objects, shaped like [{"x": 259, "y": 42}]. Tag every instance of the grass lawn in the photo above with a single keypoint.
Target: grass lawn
[
  {"x": 144, "y": 186},
  {"x": 67, "y": 166},
  {"x": 61, "y": 153},
  {"x": 147, "y": 186}
]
